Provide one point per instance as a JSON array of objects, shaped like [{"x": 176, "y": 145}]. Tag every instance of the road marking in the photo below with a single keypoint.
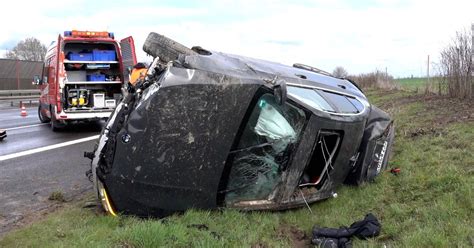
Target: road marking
[
  {"x": 46, "y": 148},
  {"x": 35, "y": 125}
]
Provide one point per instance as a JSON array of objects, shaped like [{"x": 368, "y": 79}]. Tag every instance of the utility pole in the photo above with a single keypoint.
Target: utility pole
[{"x": 428, "y": 70}]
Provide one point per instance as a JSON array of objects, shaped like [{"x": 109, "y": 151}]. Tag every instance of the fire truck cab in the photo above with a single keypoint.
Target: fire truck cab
[{"x": 82, "y": 77}]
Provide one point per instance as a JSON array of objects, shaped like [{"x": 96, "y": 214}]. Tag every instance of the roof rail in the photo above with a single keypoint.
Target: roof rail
[{"x": 311, "y": 68}]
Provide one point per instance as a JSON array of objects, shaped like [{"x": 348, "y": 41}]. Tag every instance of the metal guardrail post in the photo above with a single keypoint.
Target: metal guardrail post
[{"x": 19, "y": 95}]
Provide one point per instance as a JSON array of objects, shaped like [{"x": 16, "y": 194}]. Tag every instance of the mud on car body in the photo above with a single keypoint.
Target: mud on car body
[{"x": 209, "y": 130}]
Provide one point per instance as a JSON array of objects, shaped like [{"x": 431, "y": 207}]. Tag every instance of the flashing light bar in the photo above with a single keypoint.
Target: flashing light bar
[{"x": 88, "y": 34}]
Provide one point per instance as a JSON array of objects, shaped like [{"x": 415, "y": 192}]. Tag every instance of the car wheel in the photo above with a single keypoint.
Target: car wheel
[
  {"x": 165, "y": 48},
  {"x": 41, "y": 116}
]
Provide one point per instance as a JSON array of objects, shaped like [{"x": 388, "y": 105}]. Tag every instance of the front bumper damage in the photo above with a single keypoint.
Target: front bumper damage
[{"x": 208, "y": 130}]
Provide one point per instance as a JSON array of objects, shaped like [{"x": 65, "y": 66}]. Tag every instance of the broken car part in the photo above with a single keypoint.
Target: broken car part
[
  {"x": 208, "y": 130},
  {"x": 3, "y": 134}
]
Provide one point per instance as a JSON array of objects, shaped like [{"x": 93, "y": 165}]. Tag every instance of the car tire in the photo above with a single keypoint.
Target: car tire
[
  {"x": 41, "y": 116},
  {"x": 165, "y": 48}
]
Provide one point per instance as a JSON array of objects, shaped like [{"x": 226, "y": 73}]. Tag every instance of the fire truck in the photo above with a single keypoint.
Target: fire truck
[{"x": 83, "y": 76}]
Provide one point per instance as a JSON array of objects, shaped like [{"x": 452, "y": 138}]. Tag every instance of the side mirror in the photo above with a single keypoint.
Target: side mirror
[
  {"x": 279, "y": 91},
  {"x": 36, "y": 80}
]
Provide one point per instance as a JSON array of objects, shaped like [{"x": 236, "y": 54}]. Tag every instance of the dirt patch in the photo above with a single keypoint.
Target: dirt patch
[
  {"x": 17, "y": 221},
  {"x": 397, "y": 102},
  {"x": 32, "y": 215},
  {"x": 297, "y": 237},
  {"x": 430, "y": 131},
  {"x": 438, "y": 110},
  {"x": 450, "y": 110}
]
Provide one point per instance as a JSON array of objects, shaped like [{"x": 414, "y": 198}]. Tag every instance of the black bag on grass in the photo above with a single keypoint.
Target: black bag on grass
[{"x": 340, "y": 237}]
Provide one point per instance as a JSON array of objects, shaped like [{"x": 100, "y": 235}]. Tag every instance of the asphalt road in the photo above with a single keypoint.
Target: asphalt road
[{"x": 35, "y": 162}]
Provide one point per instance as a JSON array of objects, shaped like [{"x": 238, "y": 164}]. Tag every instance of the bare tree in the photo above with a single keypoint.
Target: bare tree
[
  {"x": 28, "y": 49},
  {"x": 456, "y": 66},
  {"x": 340, "y": 72}
]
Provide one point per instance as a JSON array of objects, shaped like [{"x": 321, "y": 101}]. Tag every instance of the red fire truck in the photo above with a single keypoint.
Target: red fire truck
[{"x": 82, "y": 77}]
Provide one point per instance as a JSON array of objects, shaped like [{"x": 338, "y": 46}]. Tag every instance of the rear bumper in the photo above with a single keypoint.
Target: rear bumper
[{"x": 81, "y": 115}]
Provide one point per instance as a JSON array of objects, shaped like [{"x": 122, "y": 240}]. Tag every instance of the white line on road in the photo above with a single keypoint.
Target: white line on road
[
  {"x": 35, "y": 125},
  {"x": 46, "y": 148}
]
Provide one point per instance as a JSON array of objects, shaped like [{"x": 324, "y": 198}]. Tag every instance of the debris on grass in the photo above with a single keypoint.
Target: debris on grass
[{"x": 57, "y": 196}]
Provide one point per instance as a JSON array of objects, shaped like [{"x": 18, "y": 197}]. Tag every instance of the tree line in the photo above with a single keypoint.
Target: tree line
[
  {"x": 28, "y": 49},
  {"x": 456, "y": 67},
  {"x": 455, "y": 71}
]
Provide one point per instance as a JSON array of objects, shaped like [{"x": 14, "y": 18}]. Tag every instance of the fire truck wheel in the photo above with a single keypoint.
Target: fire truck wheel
[
  {"x": 42, "y": 117},
  {"x": 56, "y": 126}
]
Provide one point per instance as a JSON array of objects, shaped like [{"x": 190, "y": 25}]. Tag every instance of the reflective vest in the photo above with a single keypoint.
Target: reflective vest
[{"x": 137, "y": 74}]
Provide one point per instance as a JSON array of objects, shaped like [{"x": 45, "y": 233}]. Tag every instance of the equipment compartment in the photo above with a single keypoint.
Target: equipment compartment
[{"x": 91, "y": 83}]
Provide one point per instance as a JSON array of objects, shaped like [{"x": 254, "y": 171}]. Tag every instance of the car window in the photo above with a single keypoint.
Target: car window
[
  {"x": 310, "y": 97},
  {"x": 341, "y": 102},
  {"x": 264, "y": 149},
  {"x": 356, "y": 103}
]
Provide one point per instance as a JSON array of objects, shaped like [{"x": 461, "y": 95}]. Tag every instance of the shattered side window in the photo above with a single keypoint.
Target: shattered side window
[{"x": 264, "y": 149}]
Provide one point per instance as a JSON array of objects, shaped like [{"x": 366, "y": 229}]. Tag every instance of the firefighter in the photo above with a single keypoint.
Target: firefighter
[{"x": 138, "y": 73}]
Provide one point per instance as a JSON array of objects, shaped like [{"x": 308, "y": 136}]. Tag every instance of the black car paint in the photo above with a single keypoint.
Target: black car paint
[{"x": 182, "y": 128}]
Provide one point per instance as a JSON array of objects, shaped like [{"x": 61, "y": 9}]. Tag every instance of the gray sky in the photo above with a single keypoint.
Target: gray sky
[{"x": 361, "y": 36}]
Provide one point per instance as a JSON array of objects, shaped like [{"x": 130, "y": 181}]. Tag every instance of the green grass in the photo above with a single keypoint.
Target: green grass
[
  {"x": 420, "y": 84},
  {"x": 429, "y": 204},
  {"x": 412, "y": 83}
]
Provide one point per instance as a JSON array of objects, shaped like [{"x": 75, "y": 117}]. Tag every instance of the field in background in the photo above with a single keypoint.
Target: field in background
[
  {"x": 429, "y": 204},
  {"x": 412, "y": 83},
  {"x": 419, "y": 84}
]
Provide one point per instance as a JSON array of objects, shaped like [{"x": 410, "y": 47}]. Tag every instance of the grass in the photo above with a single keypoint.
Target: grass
[
  {"x": 429, "y": 204},
  {"x": 419, "y": 84},
  {"x": 412, "y": 83}
]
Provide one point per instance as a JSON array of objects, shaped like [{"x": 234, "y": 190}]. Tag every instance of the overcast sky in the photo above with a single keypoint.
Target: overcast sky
[{"x": 361, "y": 35}]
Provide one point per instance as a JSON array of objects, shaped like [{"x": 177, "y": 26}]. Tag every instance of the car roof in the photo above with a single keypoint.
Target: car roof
[{"x": 245, "y": 67}]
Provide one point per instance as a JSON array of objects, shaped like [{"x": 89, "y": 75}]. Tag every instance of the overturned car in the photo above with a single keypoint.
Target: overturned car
[{"x": 209, "y": 130}]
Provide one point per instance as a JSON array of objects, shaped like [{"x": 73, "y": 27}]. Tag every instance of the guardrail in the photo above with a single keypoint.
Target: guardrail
[{"x": 19, "y": 95}]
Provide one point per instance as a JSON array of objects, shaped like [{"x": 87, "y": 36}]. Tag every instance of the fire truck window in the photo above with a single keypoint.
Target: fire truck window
[{"x": 46, "y": 70}]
